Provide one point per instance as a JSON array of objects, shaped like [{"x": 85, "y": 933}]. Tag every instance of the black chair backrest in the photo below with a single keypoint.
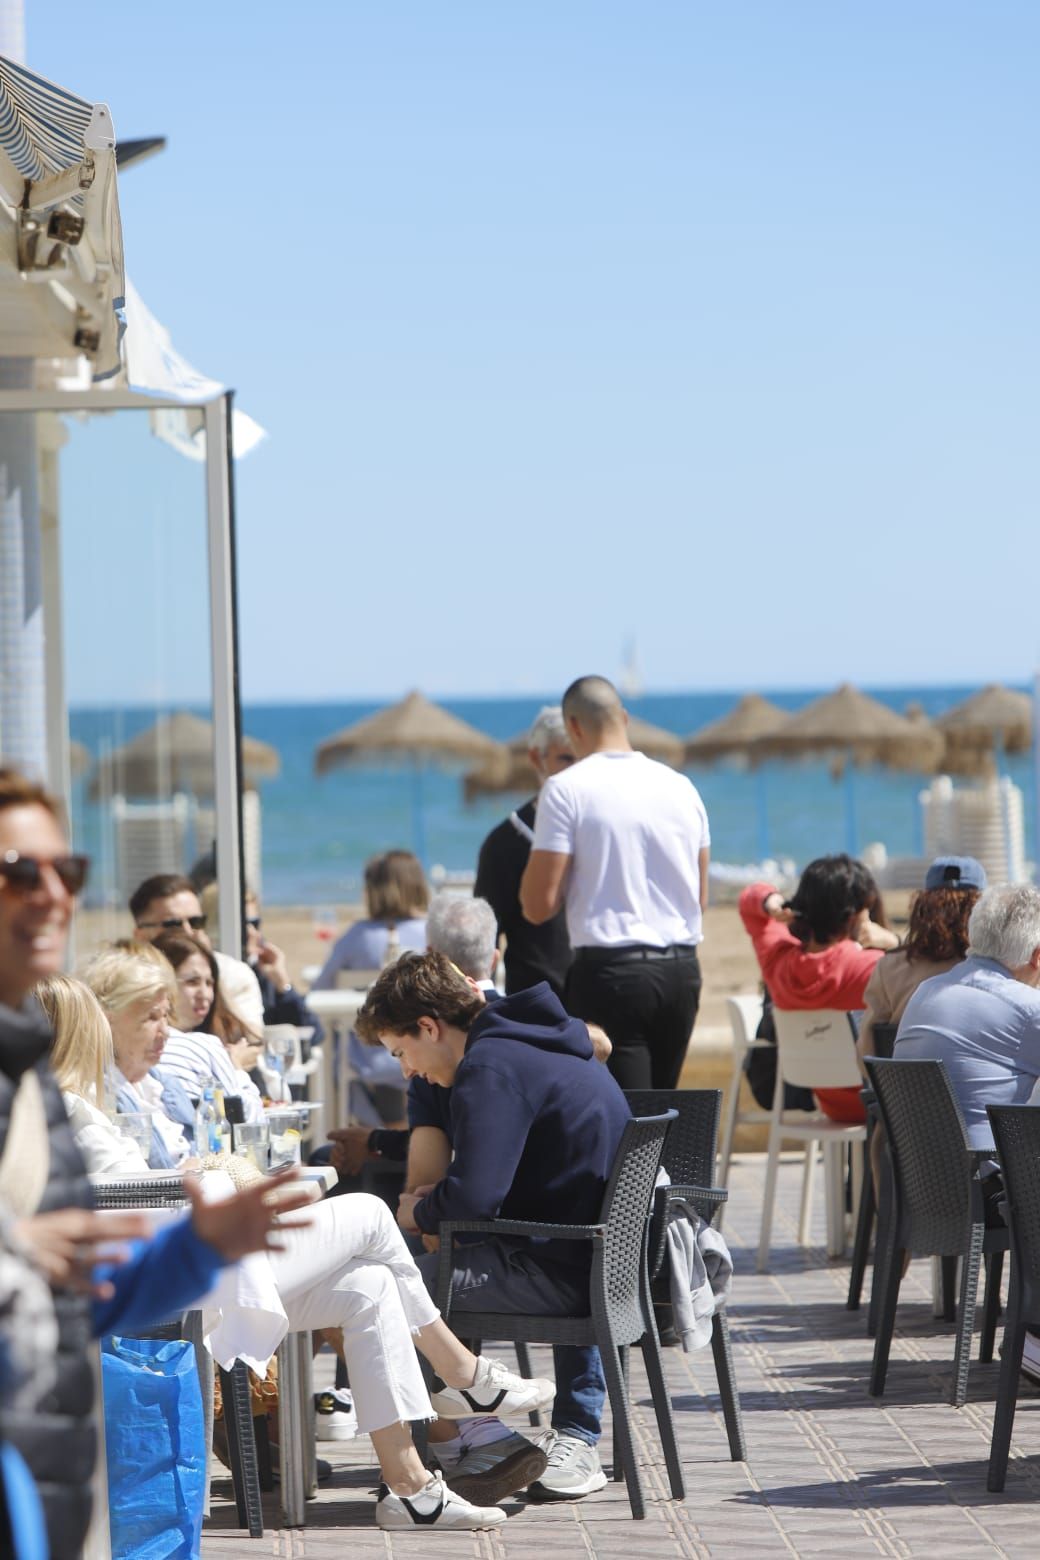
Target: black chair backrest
[
  {"x": 1016, "y": 1132},
  {"x": 884, "y": 1036},
  {"x": 689, "y": 1148},
  {"x": 932, "y": 1163},
  {"x": 625, "y": 1213}
]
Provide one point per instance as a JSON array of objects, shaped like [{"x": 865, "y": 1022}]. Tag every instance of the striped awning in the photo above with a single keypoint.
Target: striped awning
[{"x": 58, "y": 194}]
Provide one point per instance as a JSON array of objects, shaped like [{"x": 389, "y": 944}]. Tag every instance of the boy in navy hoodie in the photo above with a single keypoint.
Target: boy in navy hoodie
[{"x": 536, "y": 1125}]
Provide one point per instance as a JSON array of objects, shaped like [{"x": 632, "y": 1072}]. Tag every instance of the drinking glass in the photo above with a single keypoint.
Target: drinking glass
[
  {"x": 326, "y": 923},
  {"x": 280, "y": 1049},
  {"x": 284, "y": 1129},
  {"x": 251, "y": 1142},
  {"x": 137, "y": 1126}
]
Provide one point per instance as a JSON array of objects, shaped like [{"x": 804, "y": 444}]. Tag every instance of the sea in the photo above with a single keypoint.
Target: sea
[{"x": 317, "y": 833}]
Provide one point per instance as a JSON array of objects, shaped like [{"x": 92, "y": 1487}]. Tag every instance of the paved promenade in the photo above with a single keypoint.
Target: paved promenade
[{"x": 830, "y": 1472}]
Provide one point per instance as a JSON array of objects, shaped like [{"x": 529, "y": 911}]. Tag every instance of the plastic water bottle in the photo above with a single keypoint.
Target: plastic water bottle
[{"x": 207, "y": 1124}]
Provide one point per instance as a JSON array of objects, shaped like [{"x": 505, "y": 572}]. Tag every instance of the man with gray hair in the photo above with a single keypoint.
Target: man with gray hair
[
  {"x": 982, "y": 1018},
  {"x": 533, "y": 953},
  {"x": 466, "y": 932}
]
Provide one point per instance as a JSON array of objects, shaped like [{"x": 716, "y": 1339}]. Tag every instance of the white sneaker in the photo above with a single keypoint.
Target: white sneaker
[
  {"x": 494, "y": 1470},
  {"x": 495, "y": 1390},
  {"x": 435, "y": 1506},
  {"x": 573, "y": 1471},
  {"x": 334, "y": 1416}
]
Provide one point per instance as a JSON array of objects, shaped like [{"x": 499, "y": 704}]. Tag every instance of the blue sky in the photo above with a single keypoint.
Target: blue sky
[{"x": 578, "y": 320}]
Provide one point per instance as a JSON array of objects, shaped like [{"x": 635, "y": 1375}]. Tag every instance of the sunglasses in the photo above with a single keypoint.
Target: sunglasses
[
  {"x": 25, "y": 873},
  {"x": 175, "y": 923},
  {"x": 253, "y": 921}
]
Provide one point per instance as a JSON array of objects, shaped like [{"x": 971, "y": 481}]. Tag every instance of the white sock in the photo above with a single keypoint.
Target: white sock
[{"x": 482, "y": 1430}]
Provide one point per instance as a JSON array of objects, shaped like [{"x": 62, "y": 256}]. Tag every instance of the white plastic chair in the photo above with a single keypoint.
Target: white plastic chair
[
  {"x": 745, "y": 1015},
  {"x": 814, "y": 1051}
]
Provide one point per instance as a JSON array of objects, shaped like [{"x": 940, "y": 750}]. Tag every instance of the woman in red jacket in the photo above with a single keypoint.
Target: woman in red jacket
[{"x": 818, "y": 949}]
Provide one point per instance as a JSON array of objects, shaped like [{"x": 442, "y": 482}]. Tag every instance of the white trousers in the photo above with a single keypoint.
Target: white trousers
[{"x": 350, "y": 1268}]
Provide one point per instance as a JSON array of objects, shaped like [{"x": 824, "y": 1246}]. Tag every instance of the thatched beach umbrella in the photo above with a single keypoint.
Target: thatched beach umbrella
[
  {"x": 510, "y": 769},
  {"x": 415, "y": 730},
  {"x": 738, "y": 735},
  {"x": 176, "y": 754},
  {"x": 994, "y": 720},
  {"x": 856, "y": 729}
]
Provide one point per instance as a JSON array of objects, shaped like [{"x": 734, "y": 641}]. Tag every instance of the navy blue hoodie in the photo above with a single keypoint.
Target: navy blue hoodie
[{"x": 536, "y": 1123}]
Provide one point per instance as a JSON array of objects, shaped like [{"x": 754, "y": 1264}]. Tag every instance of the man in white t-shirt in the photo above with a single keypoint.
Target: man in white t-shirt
[{"x": 623, "y": 843}]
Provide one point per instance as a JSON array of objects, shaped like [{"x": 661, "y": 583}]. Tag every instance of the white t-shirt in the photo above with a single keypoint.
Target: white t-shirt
[{"x": 635, "y": 829}]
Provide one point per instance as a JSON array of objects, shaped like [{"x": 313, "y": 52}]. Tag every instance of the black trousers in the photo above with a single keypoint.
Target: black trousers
[{"x": 646, "y": 1005}]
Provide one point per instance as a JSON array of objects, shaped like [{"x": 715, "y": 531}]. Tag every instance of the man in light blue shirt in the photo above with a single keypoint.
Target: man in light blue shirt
[{"x": 982, "y": 1018}]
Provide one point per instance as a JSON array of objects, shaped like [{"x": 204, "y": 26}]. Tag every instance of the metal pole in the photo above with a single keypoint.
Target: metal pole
[{"x": 224, "y": 654}]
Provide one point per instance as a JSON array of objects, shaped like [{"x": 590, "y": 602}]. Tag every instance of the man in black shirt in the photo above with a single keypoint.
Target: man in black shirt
[{"x": 533, "y": 953}]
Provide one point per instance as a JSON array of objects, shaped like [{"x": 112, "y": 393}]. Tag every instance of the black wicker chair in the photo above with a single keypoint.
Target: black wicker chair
[
  {"x": 689, "y": 1158},
  {"x": 1016, "y": 1132},
  {"x": 620, "y": 1308},
  {"x": 937, "y": 1206}
]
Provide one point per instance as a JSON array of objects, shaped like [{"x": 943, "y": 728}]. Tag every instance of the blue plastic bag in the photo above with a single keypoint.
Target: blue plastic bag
[{"x": 156, "y": 1446}]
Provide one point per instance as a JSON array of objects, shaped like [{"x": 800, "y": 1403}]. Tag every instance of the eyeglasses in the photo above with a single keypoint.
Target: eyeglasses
[
  {"x": 25, "y": 873},
  {"x": 253, "y": 921},
  {"x": 176, "y": 923}
]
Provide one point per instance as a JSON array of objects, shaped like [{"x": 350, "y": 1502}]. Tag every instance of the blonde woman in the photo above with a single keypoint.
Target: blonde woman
[{"x": 81, "y": 1058}]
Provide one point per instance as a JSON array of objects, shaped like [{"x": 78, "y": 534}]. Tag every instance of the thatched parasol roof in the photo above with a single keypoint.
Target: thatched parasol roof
[
  {"x": 991, "y": 716},
  {"x": 413, "y": 728},
  {"x": 176, "y": 754},
  {"x": 751, "y": 719},
  {"x": 851, "y": 722}
]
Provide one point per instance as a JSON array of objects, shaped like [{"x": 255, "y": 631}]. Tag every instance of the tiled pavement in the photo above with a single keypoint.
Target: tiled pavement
[{"x": 830, "y": 1472}]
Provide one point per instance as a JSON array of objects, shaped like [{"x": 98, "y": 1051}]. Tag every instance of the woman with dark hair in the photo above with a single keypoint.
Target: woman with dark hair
[
  {"x": 818, "y": 950},
  {"x": 936, "y": 941}
]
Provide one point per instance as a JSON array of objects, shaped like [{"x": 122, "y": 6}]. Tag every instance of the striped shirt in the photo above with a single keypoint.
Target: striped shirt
[{"x": 195, "y": 1059}]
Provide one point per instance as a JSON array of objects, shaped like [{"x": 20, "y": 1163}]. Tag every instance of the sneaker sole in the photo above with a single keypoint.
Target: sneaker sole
[
  {"x": 406, "y": 1525},
  {"x": 448, "y": 1408},
  {"x": 542, "y": 1494},
  {"x": 513, "y": 1473},
  {"x": 335, "y": 1432}
]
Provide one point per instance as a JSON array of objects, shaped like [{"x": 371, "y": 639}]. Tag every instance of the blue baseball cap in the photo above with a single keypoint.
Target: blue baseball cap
[{"x": 956, "y": 872}]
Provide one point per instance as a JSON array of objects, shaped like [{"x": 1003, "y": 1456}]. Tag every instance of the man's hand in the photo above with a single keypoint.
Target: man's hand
[
  {"x": 272, "y": 961},
  {"x": 406, "y": 1212},
  {"x": 601, "y": 1046},
  {"x": 250, "y": 1220},
  {"x": 350, "y": 1150},
  {"x": 64, "y": 1245}
]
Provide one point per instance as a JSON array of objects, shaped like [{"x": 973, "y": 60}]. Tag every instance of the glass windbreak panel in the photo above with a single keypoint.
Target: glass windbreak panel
[{"x": 134, "y": 579}]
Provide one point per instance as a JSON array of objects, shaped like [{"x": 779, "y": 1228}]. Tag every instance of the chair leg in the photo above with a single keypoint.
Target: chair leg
[
  {"x": 618, "y": 1463},
  {"x": 948, "y": 1288},
  {"x": 728, "y": 1130},
  {"x": 523, "y": 1360},
  {"x": 622, "y": 1422},
  {"x": 805, "y": 1209},
  {"x": 994, "y": 1265},
  {"x": 245, "y": 1473},
  {"x": 1007, "y": 1397},
  {"x": 834, "y": 1196},
  {"x": 861, "y": 1245},
  {"x": 768, "y": 1200},
  {"x": 728, "y": 1393},
  {"x": 663, "y": 1411},
  {"x": 882, "y": 1238},
  {"x": 972, "y": 1261},
  {"x": 893, "y": 1271}
]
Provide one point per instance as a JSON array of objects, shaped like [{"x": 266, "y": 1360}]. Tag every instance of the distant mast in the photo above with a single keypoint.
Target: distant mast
[{"x": 631, "y": 679}]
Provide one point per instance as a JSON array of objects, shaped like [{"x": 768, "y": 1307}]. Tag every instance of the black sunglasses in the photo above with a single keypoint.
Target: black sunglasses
[
  {"x": 253, "y": 921},
  {"x": 176, "y": 923},
  {"x": 25, "y": 873}
]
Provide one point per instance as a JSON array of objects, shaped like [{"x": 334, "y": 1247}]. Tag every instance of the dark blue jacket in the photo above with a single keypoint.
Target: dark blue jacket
[{"x": 536, "y": 1122}]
